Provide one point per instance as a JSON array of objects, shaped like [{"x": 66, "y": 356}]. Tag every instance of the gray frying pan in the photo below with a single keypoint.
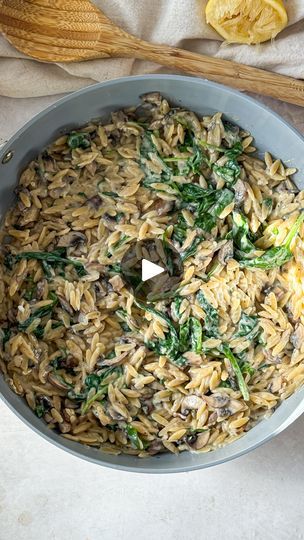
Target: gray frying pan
[{"x": 270, "y": 133}]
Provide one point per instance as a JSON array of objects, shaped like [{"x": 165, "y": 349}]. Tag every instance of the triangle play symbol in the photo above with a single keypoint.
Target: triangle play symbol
[{"x": 149, "y": 270}]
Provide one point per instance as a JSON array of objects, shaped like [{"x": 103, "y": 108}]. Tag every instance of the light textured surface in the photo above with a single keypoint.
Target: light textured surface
[
  {"x": 47, "y": 494},
  {"x": 174, "y": 22}
]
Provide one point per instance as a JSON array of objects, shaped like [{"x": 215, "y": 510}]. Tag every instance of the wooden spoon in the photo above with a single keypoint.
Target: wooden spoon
[{"x": 74, "y": 30}]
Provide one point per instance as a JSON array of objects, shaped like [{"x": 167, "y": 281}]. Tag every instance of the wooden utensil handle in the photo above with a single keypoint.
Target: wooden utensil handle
[{"x": 224, "y": 71}]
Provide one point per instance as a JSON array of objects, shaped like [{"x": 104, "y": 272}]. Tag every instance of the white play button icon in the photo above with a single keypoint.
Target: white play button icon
[{"x": 149, "y": 270}]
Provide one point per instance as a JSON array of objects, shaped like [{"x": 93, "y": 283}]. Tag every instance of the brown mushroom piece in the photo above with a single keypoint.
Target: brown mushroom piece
[
  {"x": 152, "y": 97},
  {"x": 297, "y": 337},
  {"x": 240, "y": 192},
  {"x": 217, "y": 400},
  {"x": 41, "y": 288},
  {"x": 197, "y": 442},
  {"x": 65, "y": 427},
  {"x": 156, "y": 447},
  {"x": 117, "y": 283},
  {"x": 110, "y": 222},
  {"x": 72, "y": 239},
  {"x": 163, "y": 207},
  {"x": 65, "y": 304},
  {"x": 271, "y": 359},
  {"x": 234, "y": 406},
  {"x": 226, "y": 252},
  {"x": 119, "y": 118},
  {"x": 113, "y": 414},
  {"x": 191, "y": 402},
  {"x": 190, "y": 119},
  {"x": 58, "y": 383},
  {"x": 94, "y": 202}
]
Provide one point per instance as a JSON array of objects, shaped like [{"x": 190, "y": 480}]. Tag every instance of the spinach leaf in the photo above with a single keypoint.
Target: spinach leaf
[
  {"x": 42, "y": 407},
  {"x": 175, "y": 307},
  {"x": 196, "y": 335},
  {"x": 225, "y": 384},
  {"x": 246, "y": 368},
  {"x": 211, "y": 322},
  {"x": 134, "y": 438},
  {"x": 248, "y": 327},
  {"x": 195, "y": 162},
  {"x": 191, "y": 336},
  {"x": 192, "y": 249},
  {"x": 241, "y": 234},
  {"x": 180, "y": 230},
  {"x": 230, "y": 172},
  {"x": 235, "y": 151},
  {"x": 123, "y": 239},
  {"x": 100, "y": 384},
  {"x": 39, "y": 313},
  {"x": 275, "y": 256},
  {"x": 184, "y": 335},
  {"x": 111, "y": 194},
  {"x": 170, "y": 346},
  {"x": 193, "y": 192},
  {"x": 115, "y": 268},
  {"x": 78, "y": 140},
  {"x": 207, "y": 220},
  {"x": 52, "y": 258},
  {"x": 237, "y": 370}
]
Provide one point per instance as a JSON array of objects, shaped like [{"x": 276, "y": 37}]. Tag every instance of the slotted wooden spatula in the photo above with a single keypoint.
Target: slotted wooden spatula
[{"x": 75, "y": 30}]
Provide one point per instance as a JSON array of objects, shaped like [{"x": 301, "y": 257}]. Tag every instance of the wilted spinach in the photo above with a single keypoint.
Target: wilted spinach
[
  {"x": 248, "y": 327},
  {"x": 211, "y": 322},
  {"x": 78, "y": 140},
  {"x": 275, "y": 256},
  {"x": 55, "y": 258},
  {"x": 39, "y": 313}
]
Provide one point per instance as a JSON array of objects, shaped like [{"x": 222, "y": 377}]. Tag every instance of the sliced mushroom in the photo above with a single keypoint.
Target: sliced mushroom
[
  {"x": 41, "y": 288},
  {"x": 191, "y": 402},
  {"x": 212, "y": 418},
  {"x": 152, "y": 97},
  {"x": 199, "y": 441},
  {"x": 58, "y": 383},
  {"x": 217, "y": 400},
  {"x": 297, "y": 337},
  {"x": 286, "y": 186},
  {"x": 163, "y": 207},
  {"x": 275, "y": 385},
  {"x": 147, "y": 406},
  {"x": 231, "y": 134},
  {"x": 189, "y": 118},
  {"x": 114, "y": 414},
  {"x": 65, "y": 427},
  {"x": 226, "y": 252},
  {"x": 272, "y": 359},
  {"x": 94, "y": 202},
  {"x": 109, "y": 222},
  {"x": 72, "y": 239},
  {"x": 156, "y": 447},
  {"x": 119, "y": 118},
  {"x": 117, "y": 283},
  {"x": 240, "y": 192},
  {"x": 65, "y": 304},
  {"x": 29, "y": 215},
  {"x": 233, "y": 407}
]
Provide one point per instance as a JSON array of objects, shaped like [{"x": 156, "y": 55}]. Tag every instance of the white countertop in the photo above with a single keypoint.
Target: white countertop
[{"x": 47, "y": 494}]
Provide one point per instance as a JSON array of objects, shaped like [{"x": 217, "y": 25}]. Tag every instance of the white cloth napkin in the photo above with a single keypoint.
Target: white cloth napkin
[{"x": 174, "y": 22}]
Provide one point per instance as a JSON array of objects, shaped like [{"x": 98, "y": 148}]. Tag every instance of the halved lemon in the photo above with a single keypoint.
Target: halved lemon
[{"x": 247, "y": 21}]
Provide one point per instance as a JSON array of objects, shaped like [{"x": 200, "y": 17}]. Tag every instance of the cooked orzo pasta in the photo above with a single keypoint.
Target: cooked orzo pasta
[{"x": 196, "y": 369}]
